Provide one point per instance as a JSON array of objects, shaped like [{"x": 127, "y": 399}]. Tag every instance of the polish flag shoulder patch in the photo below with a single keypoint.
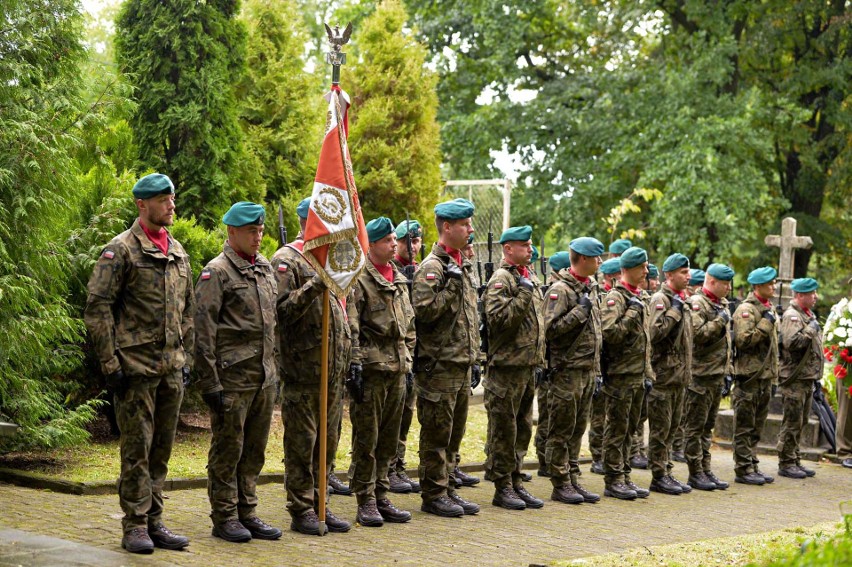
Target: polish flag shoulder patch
[
  {"x": 282, "y": 267},
  {"x": 431, "y": 275},
  {"x": 745, "y": 314},
  {"x": 554, "y": 296},
  {"x": 696, "y": 307},
  {"x": 205, "y": 275},
  {"x": 660, "y": 306},
  {"x": 610, "y": 302},
  {"x": 498, "y": 285},
  {"x": 109, "y": 254},
  {"x": 794, "y": 318}
]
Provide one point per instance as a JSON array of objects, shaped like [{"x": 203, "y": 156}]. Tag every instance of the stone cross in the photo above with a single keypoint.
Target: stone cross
[{"x": 788, "y": 242}]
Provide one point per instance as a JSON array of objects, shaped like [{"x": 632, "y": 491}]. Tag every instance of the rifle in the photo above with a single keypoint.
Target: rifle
[
  {"x": 780, "y": 308},
  {"x": 543, "y": 263},
  {"x": 408, "y": 270},
  {"x": 282, "y": 230},
  {"x": 480, "y": 304}
]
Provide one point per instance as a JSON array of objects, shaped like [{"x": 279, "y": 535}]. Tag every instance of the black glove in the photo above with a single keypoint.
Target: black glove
[
  {"x": 116, "y": 383},
  {"x": 774, "y": 389},
  {"x": 818, "y": 391},
  {"x": 727, "y": 385},
  {"x": 185, "y": 374},
  {"x": 648, "y": 384},
  {"x": 475, "y": 376},
  {"x": 454, "y": 272},
  {"x": 355, "y": 382},
  {"x": 724, "y": 315},
  {"x": 585, "y": 303},
  {"x": 409, "y": 381},
  {"x": 814, "y": 324},
  {"x": 677, "y": 303},
  {"x": 525, "y": 283},
  {"x": 635, "y": 303},
  {"x": 769, "y": 315},
  {"x": 408, "y": 271},
  {"x": 215, "y": 401},
  {"x": 540, "y": 376},
  {"x": 598, "y": 386}
]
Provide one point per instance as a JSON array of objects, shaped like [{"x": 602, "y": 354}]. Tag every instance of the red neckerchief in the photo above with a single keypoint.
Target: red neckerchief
[
  {"x": 579, "y": 278},
  {"x": 522, "y": 270},
  {"x": 632, "y": 289},
  {"x": 245, "y": 257},
  {"x": 159, "y": 239},
  {"x": 403, "y": 262},
  {"x": 386, "y": 271},
  {"x": 710, "y": 295},
  {"x": 607, "y": 287},
  {"x": 680, "y": 294},
  {"x": 454, "y": 254},
  {"x": 808, "y": 312},
  {"x": 764, "y": 302}
]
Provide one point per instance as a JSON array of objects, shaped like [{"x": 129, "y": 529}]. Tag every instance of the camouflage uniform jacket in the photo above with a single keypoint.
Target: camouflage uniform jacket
[
  {"x": 140, "y": 306},
  {"x": 671, "y": 337},
  {"x": 445, "y": 308},
  {"x": 574, "y": 338},
  {"x": 711, "y": 337},
  {"x": 515, "y": 319},
  {"x": 235, "y": 324},
  {"x": 300, "y": 322},
  {"x": 756, "y": 340},
  {"x": 801, "y": 345},
  {"x": 382, "y": 322},
  {"x": 626, "y": 334}
]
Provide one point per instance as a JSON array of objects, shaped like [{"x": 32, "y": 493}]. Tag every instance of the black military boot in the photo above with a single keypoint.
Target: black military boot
[
  {"x": 233, "y": 531},
  {"x": 720, "y": 484},
  {"x": 164, "y": 538},
  {"x": 750, "y": 478},
  {"x": 337, "y": 486},
  {"x": 665, "y": 485},
  {"x": 470, "y": 508},
  {"x": 307, "y": 523},
  {"x": 137, "y": 540},
  {"x": 530, "y": 500},
  {"x": 465, "y": 479},
  {"x": 543, "y": 469},
  {"x": 260, "y": 529},
  {"x": 443, "y": 507},
  {"x": 621, "y": 491},
  {"x": 589, "y": 497},
  {"x": 368, "y": 515},
  {"x": 792, "y": 471},
  {"x": 640, "y": 492},
  {"x": 397, "y": 484},
  {"x": 767, "y": 479},
  {"x": 679, "y": 456},
  {"x": 336, "y": 525},
  {"x": 566, "y": 494},
  {"x": 639, "y": 462},
  {"x": 700, "y": 481},
  {"x": 684, "y": 487},
  {"x": 526, "y": 477},
  {"x": 507, "y": 498},
  {"x": 415, "y": 486},
  {"x": 808, "y": 472},
  {"x": 391, "y": 513},
  {"x": 597, "y": 467}
]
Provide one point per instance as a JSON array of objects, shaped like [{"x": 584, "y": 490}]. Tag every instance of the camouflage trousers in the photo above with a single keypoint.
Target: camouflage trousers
[
  {"x": 797, "y": 397},
  {"x": 699, "y": 418},
  {"x": 568, "y": 405},
  {"x": 623, "y": 406},
  {"x": 751, "y": 406},
  {"x": 597, "y": 421},
  {"x": 665, "y": 407},
  {"x": 844, "y": 421},
  {"x": 147, "y": 417},
  {"x": 301, "y": 416},
  {"x": 443, "y": 396},
  {"x": 409, "y": 403},
  {"x": 638, "y": 445},
  {"x": 680, "y": 435},
  {"x": 237, "y": 453},
  {"x": 543, "y": 425},
  {"x": 509, "y": 395},
  {"x": 375, "y": 433}
]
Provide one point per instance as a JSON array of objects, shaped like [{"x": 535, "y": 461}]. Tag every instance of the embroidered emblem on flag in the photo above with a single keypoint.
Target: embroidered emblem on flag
[
  {"x": 498, "y": 285},
  {"x": 205, "y": 275},
  {"x": 745, "y": 314},
  {"x": 610, "y": 302},
  {"x": 109, "y": 254},
  {"x": 282, "y": 268},
  {"x": 660, "y": 307},
  {"x": 431, "y": 276},
  {"x": 554, "y": 296}
]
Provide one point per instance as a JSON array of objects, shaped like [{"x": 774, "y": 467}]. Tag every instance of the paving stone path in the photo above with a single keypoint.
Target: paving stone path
[{"x": 39, "y": 527}]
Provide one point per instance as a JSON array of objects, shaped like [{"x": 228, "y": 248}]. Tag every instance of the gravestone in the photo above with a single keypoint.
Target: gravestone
[{"x": 788, "y": 242}]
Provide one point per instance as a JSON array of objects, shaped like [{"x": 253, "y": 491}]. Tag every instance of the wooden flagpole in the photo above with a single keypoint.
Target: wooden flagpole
[{"x": 322, "y": 481}]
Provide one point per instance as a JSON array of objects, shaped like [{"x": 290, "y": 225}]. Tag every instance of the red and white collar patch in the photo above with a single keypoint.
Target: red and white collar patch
[{"x": 109, "y": 254}]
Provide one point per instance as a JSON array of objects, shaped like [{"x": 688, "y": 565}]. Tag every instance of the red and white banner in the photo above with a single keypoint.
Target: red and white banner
[{"x": 335, "y": 234}]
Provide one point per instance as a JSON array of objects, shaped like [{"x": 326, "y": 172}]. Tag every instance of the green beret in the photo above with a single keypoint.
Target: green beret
[
  {"x": 411, "y": 228},
  {"x": 675, "y": 262},
  {"x": 513, "y": 233},
  {"x": 379, "y": 228},
  {"x": 455, "y": 209},
  {"x": 653, "y": 272},
  {"x": 632, "y": 257},
  {"x": 302, "y": 208},
  {"x": 535, "y": 254},
  {"x": 804, "y": 285},
  {"x": 696, "y": 276},
  {"x": 611, "y": 266},
  {"x": 560, "y": 260},
  {"x": 619, "y": 246},
  {"x": 720, "y": 272},
  {"x": 153, "y": 185},
  {"x": 244, "y": 213},
  {"x": 762, "y": 275},
  {"x": 587, "y": 246}
]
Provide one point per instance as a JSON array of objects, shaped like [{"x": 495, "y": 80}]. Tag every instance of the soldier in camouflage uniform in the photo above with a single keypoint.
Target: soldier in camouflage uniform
[
  {"x": 516, "y": 344},
  {"x": 610, "y": 272},
  {"x": 572, "y": 320},
  {"x": 671, "y": 337},
  {"x": 383, "y": 337},
  {"x": 799, "y": 374},
  {"x": 237, "y": 367},
  {"x": 755, "y": 371},
  {"x": 406, "y": 231},
  {"x": 711, "y": 374},
  {"x": 639, "y": 449},
  {"x": 140, "y": 316},
  {"x": 625, "y": 322},
  {"x": 444, "y": 300},
  {"x": 300, "y": 291}
]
